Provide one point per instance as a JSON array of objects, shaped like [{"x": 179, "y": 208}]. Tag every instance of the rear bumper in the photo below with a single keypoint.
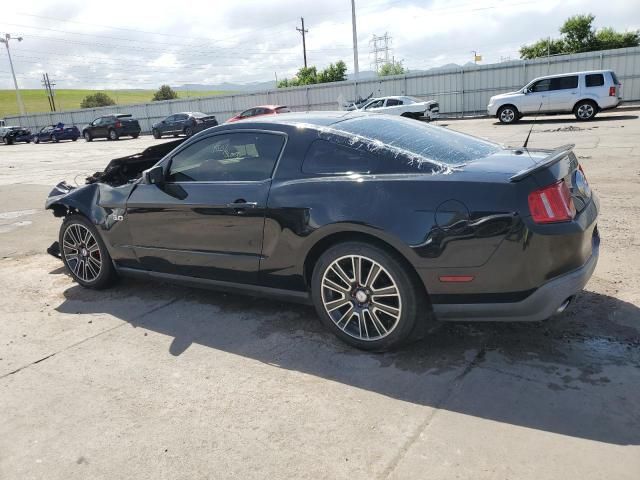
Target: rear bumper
[{"x": 543, "y": 303}]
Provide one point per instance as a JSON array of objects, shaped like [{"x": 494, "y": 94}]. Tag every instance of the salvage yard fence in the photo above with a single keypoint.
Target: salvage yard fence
[{"x": 459, "y": 90}]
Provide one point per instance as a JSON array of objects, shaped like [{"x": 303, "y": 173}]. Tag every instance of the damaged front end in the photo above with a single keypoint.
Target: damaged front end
[{"x": 102, "y": 200}]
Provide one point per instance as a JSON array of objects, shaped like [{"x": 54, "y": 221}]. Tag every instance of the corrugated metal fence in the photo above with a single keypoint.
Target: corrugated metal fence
[{"x": 459, "y": 90}]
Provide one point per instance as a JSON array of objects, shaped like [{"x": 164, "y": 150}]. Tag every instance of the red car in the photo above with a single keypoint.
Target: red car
[{"x": 261, "y": 110}]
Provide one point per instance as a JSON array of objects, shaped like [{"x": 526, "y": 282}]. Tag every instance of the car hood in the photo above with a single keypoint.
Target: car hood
[{"x": 506, "y": 95}]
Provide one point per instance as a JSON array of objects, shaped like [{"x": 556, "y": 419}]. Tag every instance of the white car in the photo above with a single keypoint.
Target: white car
[
  {"x": 583, "y": 93},
  {"x": 405, "y": 106}
]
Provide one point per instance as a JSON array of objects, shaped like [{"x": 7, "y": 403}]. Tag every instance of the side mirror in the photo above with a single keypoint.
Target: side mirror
[{"x": 154, "y": 176}]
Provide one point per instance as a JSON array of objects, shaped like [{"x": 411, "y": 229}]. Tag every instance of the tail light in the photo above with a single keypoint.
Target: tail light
[
  {"x": 612, "y": 91},
  {"x": 552, "y": 204},
  {"x": 118, "y": 124}
]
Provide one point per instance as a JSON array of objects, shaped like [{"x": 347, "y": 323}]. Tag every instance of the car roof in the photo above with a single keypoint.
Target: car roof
[
  {"x": 321, "y": 119},
  {"x": 586, "y": 72},
  {"x": 273, "y": 107}
]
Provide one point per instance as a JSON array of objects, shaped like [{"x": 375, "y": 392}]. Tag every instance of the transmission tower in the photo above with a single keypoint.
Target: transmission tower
[{"x": 379, "y": 49}]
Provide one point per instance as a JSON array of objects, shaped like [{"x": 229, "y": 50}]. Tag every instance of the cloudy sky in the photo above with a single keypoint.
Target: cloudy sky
[{"x": 144, "y": 44}]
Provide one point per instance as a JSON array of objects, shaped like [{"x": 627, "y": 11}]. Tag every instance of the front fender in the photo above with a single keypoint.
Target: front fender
[{"x": 65, "y": 198}]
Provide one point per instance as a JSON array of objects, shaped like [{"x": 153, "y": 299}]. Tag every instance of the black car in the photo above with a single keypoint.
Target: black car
[
  {"x": 112, "y": 127},
  {"x": 11, "y": 135},
  {"x": 186, "y": 123},
  {"x": 378, "y": 220},
  {"x": 55, "y": 133}
]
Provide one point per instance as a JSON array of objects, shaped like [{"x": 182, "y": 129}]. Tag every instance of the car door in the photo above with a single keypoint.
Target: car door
[
  {"x": 207, "y": 219},
  {"x": 180, "y": 122},
  {"x": 165, "y": 125},
  {"x": 374, "y": 104},
  {"x": 100, "y": 127},
  {"x": 535, "y": 97},
  {"x": 562, "y": 94}
]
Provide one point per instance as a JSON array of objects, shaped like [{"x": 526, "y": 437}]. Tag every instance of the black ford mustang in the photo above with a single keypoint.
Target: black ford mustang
[{"x": 377, "y": 220}]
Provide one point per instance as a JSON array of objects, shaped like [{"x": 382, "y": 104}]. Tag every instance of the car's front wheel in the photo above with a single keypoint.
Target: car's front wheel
[
  {"x": 87, "y": 136},
  {"x": 84, "y": 253},
  {"x": 113, "y": 135},
  {"x": 585, "y": 110},
  {"x": 508, "y": 114},
  {"x": 188, "y": 131},
  {"x": 156, "y": 134},
  {"x": 36, "y": 139},
  {"x": 366, "y": 296}
]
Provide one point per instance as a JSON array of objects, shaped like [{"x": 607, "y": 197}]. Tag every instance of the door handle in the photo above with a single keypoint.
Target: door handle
[{"x": 238, "y": 204}]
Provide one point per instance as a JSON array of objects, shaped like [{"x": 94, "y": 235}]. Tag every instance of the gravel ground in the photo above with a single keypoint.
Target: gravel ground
[{"x": 149, "y": 380}]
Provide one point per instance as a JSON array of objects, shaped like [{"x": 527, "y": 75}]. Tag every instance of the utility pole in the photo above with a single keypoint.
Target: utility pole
[
  {"x": 356, "y": 70},
  {"x": 49, "y": 88},
  {"x": 5, "y": 40},
  {"x": 304, "y": 45}
]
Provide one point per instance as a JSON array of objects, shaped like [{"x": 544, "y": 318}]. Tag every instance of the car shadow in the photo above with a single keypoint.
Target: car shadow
[
  {"x": 551, "y": 120},
  {"x": 571, "y": 375}
]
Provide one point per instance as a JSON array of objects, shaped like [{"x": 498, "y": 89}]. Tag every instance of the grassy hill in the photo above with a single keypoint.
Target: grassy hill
[{"x": 35, "y": 101}]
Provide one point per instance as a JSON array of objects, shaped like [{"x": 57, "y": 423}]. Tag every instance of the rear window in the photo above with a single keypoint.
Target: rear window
[
  {"x": 415, "y": 142},
  {"x": 614, "y": 78},
  {"x": 594, "y": 80},
  {"x": 564, "y": 83},
  {"x": 325, "y": 157}
]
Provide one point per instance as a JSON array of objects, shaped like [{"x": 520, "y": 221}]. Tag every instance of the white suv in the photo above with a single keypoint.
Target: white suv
[{"x": 583, "y": 93}]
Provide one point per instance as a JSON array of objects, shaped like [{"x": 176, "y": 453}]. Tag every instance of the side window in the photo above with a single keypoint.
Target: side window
[
  {"x": 564, "y": 83},
  {"x": 181, "y": 117},
  {"x": 229, "y": 157},
  {"x": 248, "y": 113},
  {"x": 324, "y": 157},
  {"x": 594, "y": 80},
  {"x": 376, "y": 104},
  {"x": 541, "y": 85},
  {"x": 170, "y": 118},
  {"x": 392, "y": 102}
]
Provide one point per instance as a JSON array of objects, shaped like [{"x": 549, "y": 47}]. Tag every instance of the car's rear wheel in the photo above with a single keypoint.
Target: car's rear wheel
[
  {"x": 188, "y": 131},
  {"x": 36, "y": 139},
  {"x": 508, "y": 114},
  {"x": 585, "y": 110},
  {"x": 156, "y": 134},
  {"x": 135, "y": 135},
  {"x": 55, "y": 139},
  {"x": 366, "y": 296},
  {"x": 113, "y": 135},
  {"x": 84, "y": 253},
  {"x": 74, "y": 139},
  {"x": 87, "y": 136}
]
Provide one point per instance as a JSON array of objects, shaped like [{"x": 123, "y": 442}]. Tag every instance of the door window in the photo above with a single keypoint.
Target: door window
[
  {"x": 594, "y": 80},
  {"x": 375, "y": 104},
  {"x": 392, "y": 102},
  {"x": 541, "y": 85},
  {"x": 248, "y": 113},
  {"x": 229, "y": 157},
  {"x": 564, "y": 83}
]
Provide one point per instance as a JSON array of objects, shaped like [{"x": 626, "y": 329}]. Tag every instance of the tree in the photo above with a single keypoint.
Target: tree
[
  {"x": 579, "y": 35},
  {"x": 391, "y": 68},
  {"x": 309, "y": 75},
  {"x": 165, "y": 92},
  {"x": 98, "y": 99}
]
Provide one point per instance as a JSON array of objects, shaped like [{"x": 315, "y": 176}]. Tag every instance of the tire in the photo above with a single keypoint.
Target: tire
[
  {"x": 5, "y": 140},
  {"x": 156, "y": 134},
  {"x": 585, "y": 110},
  {"x": 84, "y": 253},
  {"x": 74, "y": 139},
  {"x": 188, "y": 131},
  {"x": 113, "y": 135},
  {"x": 508, "y": 114},
  {"x": 36, "y": 140},
  {"x": 135, "y": 135},
  {"x": 87, "y": 136},
  {"x": 175, "y": 135},
  {"x": 350, "y": 308},
  {"x": 55, "y": 139}
]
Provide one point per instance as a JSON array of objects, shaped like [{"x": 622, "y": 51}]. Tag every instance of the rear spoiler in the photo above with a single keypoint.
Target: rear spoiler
[{"x": 554, "y": 156}]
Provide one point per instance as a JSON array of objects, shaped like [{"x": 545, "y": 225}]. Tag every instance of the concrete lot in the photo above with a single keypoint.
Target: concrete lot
[{"x": 149, "y": 380}]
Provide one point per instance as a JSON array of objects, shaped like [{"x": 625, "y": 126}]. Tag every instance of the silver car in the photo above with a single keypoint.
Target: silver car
[{"x": 582, "y": 93}]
